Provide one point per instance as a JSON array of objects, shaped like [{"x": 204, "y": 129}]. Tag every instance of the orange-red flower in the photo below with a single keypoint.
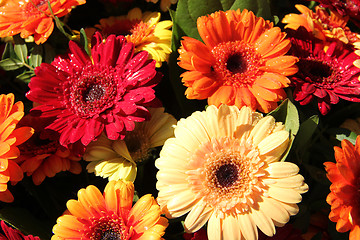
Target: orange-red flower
[
  {"x": 32, "y": 17},
  {"x": 42, "y": 155},
  {"x": 10, "y": 138},
  {"x": 111, "y": 215},
  {"x": 241, "y": 61},
  {"x": 321, "y": 24},
  {"x": 344, "y": 196}
]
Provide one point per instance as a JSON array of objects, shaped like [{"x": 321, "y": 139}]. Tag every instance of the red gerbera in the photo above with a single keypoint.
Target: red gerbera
[
  {"x": 14, "y": 234},
  {"x": 107, "y": 92},
  {"x": 323, "y": 75}
]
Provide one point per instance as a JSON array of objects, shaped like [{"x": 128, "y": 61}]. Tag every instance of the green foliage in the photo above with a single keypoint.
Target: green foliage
[{"x": 287, "y": 113}]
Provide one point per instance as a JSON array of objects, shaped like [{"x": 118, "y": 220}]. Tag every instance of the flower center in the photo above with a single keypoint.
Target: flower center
[
  {"x": 140, "y": 32},
  {"x": 138, "y": 145},
  {"x": 93, "y": 93},
  {"x": 93, "y": 90},
  {"x": 319, "y": 72},
  {"x": 37, "y": 146},
  {"x": 109, "y": 227},
  {"x": 225, "y": 173},
  {"x": 236, "y": 63}
]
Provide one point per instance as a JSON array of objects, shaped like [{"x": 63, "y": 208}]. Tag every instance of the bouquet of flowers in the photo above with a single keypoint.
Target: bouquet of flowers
[{"x": 180, "y": 119}]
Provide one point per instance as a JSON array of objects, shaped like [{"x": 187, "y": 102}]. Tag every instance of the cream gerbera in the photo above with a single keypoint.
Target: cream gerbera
[
  {"x": 118, "y": 159},
  {"x": 222, "y": 167}
]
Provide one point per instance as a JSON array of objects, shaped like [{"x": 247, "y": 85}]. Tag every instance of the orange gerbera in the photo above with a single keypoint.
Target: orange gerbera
[
  {"x": 344, "y": 196},
  {"x": 241, "y": 61},
  {"x": 42, "y": 155},
  {"x": 10, "y": 138},
  {"x": 32, "y": 17},
  {"x": 111, "y": 215},
  {"x": 321, "y": 24}
]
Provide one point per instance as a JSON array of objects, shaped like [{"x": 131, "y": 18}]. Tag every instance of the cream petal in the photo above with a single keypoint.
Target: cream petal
[
  {"x": 302, "y": 189},
  {"x": 186, "y": 135},
  {"x": 273, "y": 141},
  {"x": 291, "y": 208},
  {"x": 210, "y": 120},
  {"x": 287, "y": 195},
  {"x": 227, "y": 119},
  {"x": 181, "y": 203},
  {"x": 214, "y": 228},
  {"x": 263, "y": 222},
  {"x": 282, "y": 169},
  {"x": 171, "y": 176},
  {"x": 168, "y": 191},
  {"x": 171, "y": 163},
  {"x": 197, "y": 128},
  {"x": 197, "y": 217},
  {"x": 274, "y": 210},
  {"x": 247, "y": 227},
  {"x": 120, "y": 147},
  {"x": 100, "y": 152},
  {"x": 262, "y": 129},
  {"x": 290, "y": 182},
  {"x": 230, "y": 229}
]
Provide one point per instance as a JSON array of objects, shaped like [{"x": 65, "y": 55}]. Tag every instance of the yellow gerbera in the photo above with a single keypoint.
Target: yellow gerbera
[
  {"x": 145, "y": 30},
  {"x": 110, "y": 215},
  {"x": 117, "y": 159},
  {"x": 222, "y": 167}
]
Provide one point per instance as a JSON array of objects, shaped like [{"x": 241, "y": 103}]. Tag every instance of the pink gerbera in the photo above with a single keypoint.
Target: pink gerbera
[
  {"x": 106, "y": 92},
  {"x": 323, "y": 75}
]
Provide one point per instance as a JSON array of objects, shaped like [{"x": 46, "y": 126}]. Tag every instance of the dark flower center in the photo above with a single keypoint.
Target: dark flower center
[
  {"x": 110, "y": 235},
  {"x": 236, "y": 63},
  {"x": 138, "y": 145},
  {"x": 94, "y": 92},
  {"x": 38, "y": 146},
  {"x": 317, "y": 71},
  {"x": 227, "y": 175}
]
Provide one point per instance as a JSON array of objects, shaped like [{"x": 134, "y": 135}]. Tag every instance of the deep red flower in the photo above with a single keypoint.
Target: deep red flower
[
  {"x": 107, "y": 92},
  {"x": 323, "y": 75},
  {"x": 9, "y": 233},
  {"x": 350, "y": 8},
  {"x": 199, "y": 235}
]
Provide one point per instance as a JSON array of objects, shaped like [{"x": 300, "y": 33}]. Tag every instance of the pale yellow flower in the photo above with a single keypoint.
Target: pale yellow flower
[
  {"x": 144, "y": 30},
  {"x": 222, "y": 167},
  {"x": 118, "y": 159}
]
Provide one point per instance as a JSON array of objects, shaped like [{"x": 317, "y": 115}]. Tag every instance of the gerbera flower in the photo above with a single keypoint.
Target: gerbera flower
[
  {"x": 10, "y": 138},
  {"x": 87, "y": 96},
  {"x": 111, "y": 215},
  {"x": 117, "y": 159},
  {"x": 325, "y": 76},
  {"x": 42, "y": 155},
  {"x": 164, "y": 4},
  {"x": 145, "y": 30},
  {"x": 241, "y": 61},
  {"x": 349, "y": 8},
  {"x": 322, "y": 25},
  {"x": 344, "y": 195},
  {"x": 32, "y": 17},
  {"x": 9, "y": 233},
  {"x": 222, "y": 167}
]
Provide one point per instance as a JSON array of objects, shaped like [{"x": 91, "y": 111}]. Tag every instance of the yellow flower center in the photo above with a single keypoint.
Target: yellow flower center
[
  {"x": 226, "y": 173},
  {"x": 237, "y": 63}
]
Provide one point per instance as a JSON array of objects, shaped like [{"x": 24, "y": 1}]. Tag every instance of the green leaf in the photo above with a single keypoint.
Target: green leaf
[
  {"x": 26, "y": 76},
  {"x": 191, "y": 10},
  {"x": 342, "y": 133},
  {"x": 36, "y": 56},
  {"x": 23, "y": 220},
  {"x": 20, "y": 48},
  {"x": 9, "y": 64},
  {"x": 306, "y": 130},
  {"x": 287, "y": 113},
  {"x": 84, "y": 41},
  {"x": 9, "y": 51}
]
